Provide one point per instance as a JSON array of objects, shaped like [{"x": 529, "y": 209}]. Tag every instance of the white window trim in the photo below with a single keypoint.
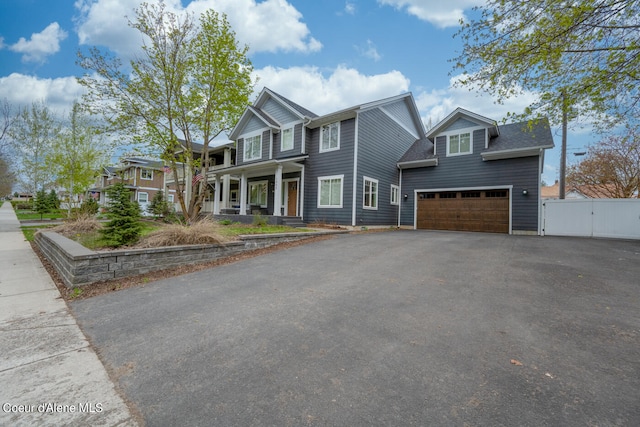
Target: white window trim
[
  {"x": 450, "y": 154},
  {"x": 293, "y": 143},
  {"x": 170, "y": 198},
  {"x": 337, "y": 147},
  {"x": 146, "y": 169},
  {"x": 244, "y": 146},
  {"x": 395, "y": 189},
  {"x": 327, "y": 178},
  {"x": 364, "y": 186},
  {"x": 250, "y": 184},
  {"x": 460, "y": 131},
  {"x": 140, "y": 194}
]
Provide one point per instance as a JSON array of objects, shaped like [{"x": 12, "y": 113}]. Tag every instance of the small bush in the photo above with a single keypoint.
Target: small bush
[
  {"x": 89, "y": 207},
  {"x": 225, "y": 222},
  {"x": 81, "y": 224},
  {"x": 260, "y": 221}
]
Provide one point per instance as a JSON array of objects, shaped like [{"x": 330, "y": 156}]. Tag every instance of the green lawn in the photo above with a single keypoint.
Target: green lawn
[
  {"x": 25, "y": 215},
  {"x": 236, "y": 229}
]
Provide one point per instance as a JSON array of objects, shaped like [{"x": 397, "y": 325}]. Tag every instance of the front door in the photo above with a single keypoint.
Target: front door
[{"x": 292, "y": 198}]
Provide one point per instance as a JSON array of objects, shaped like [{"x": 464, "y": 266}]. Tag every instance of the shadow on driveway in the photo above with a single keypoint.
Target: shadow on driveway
[{"x": 393, "y": 328}]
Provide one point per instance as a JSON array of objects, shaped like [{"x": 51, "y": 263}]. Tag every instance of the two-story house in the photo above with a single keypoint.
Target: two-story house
[
  {"x": 144, "y": 177},
  {"x": 374, "y": 164},
  {"x": 337, "y": 168}
]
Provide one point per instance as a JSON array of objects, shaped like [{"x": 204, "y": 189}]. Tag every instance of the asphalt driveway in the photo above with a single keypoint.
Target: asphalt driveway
[{"x": 391, "y": 328}]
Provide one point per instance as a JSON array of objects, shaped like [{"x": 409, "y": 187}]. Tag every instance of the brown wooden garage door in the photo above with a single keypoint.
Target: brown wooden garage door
[{"x": 486, "y": 210}]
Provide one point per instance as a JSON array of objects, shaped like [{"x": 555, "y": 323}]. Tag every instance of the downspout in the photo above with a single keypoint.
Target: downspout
[
  {"x": 400, "y": 198},
  {"x": 355, "y": 173}
]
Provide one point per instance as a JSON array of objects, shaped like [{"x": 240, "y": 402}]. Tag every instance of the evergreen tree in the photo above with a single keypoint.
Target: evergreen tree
[
  {"x": 124, "y": 215},
  {"x": 159, "y": 206},
  {"x": 42, "y": 203},
  {"x": 53, "y": 201}
]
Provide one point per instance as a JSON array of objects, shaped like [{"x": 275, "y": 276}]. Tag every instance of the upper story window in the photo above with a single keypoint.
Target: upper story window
[
  {"x": 253, "y": 147},
  {"x": 287, "y": 140},
  {"x": 459, "y": 144},
  {"x": 330, "y": 137},
  {"x": 146, "y": 173}
]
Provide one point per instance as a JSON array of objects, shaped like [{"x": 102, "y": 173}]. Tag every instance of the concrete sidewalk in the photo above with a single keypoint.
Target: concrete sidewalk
[{"x": 49, "y": 374}]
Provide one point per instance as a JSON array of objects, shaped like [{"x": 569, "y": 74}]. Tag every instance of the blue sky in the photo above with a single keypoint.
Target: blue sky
[{"x": 325, "y": 55}]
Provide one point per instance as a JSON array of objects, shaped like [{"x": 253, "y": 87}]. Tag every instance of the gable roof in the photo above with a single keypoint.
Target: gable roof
[
  {"x": 510, "y": 141},
  {"x": 255, "y": 110},
  {"x": 459, "y": 113},
  {"x": 352, "y": 111}
]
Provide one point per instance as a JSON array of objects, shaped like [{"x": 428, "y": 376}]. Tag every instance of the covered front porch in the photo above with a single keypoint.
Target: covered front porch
[{"x": 270, "y": 188}]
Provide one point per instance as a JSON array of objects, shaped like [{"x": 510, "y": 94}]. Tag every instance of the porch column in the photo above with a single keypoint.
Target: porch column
[
  {"x": 243, "y": 194},
  {"x": 226, "y": 185},
  {"x": 277, "y": 195},
  {"x": 216, "y": 196}
]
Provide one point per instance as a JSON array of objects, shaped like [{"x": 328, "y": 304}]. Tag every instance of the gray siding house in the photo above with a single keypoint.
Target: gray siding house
[
  {"x": 470, "y": 174},
  {"x": 373, "y": 164},
  {"x": 338, "y": 168}
]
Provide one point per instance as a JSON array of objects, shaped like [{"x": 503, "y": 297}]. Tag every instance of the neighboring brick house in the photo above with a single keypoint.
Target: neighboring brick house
[{"x": 144, "y": 177}]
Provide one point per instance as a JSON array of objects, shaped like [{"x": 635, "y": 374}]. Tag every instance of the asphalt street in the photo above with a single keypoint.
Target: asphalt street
[{"x": 387, "y": 328}]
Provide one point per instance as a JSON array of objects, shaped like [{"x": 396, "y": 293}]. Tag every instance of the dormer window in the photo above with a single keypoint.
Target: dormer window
[
  {"x": 330, "y": 137},
  {"x": 459, "y": 144}
]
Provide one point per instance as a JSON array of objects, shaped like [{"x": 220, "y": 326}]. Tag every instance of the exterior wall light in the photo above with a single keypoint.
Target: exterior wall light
[{"x": 525, "y": 192}]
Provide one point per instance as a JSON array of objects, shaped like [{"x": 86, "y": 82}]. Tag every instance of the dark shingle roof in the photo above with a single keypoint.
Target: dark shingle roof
[
  {"x": 422, "y": 149},
  {"x": 522, "y": 135}
]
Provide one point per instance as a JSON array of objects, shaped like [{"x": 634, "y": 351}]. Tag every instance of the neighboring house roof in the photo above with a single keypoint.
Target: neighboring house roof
[
  {"x": 138, "y": 161},
  {"x": 506, "y": 141}
]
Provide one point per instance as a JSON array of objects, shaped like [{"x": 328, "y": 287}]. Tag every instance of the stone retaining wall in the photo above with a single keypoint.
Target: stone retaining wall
[{"x": 80, "y": 266}]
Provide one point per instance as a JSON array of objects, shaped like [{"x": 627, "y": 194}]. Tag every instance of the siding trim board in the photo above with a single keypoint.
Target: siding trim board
[{"x": 457, "y": 189}]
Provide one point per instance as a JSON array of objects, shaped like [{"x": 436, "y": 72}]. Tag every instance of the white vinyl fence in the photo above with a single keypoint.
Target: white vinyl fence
[{"x": 612, "y": 218}]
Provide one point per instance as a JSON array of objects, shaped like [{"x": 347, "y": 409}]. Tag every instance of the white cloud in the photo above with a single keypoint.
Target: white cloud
[
  {"x": 59, "y": 93},
  {"x": 439, "y": 103},
  {"x": 266, "y": 26},
  {"x": 439, "y": 13},
  {"x": 41, "y": 44},
  {"x": 350, "y": 8},
  {"x": 341, "y": 88},
  {"x": 370, "y": 51}
]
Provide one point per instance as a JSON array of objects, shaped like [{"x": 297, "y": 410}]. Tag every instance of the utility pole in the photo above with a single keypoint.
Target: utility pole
[{"x": 563, "y": 154}]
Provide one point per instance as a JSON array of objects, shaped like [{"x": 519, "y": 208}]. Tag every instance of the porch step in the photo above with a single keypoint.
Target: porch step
[{"x": 293, "y": 222}]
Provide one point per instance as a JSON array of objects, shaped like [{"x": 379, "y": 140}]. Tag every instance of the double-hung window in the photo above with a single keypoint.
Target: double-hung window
[
  {"x": 146, "y": 174},
  {"x": 330, "y": 137},
  {"x": 253, "y": 147},
  {"x": 287, "y": 140},
  {"x": 370, "y": 193},
  {"x": 258, "y": 193},
  {"x": 459, "y": 144},
  {"x": 143, "y": 197},
  {"x": 330, "y": 191}
]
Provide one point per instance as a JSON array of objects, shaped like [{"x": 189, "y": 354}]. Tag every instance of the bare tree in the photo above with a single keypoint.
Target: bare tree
[{"x": 611, "y": 168}]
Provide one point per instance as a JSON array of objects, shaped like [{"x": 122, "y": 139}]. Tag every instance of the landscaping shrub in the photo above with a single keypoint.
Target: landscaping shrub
[
  {"x": 89, "y": 207},
  {"x": 124, "y": 215},
  {"x": 204, "y": 231}
]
